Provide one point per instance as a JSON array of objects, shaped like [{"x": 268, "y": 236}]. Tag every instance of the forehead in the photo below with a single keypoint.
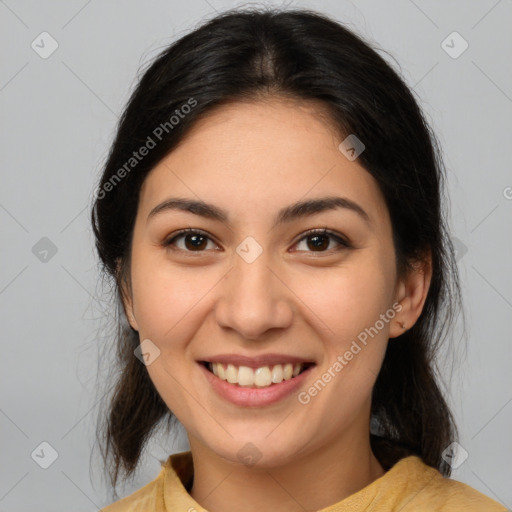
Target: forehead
[{"x": 261, "y": 153}]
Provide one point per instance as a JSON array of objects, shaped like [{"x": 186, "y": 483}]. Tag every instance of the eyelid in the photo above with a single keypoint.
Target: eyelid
[{"x": 341, "y": 240}]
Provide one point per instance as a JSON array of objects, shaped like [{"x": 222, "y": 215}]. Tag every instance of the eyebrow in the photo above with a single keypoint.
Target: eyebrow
[{"x": 289, "y": 213}]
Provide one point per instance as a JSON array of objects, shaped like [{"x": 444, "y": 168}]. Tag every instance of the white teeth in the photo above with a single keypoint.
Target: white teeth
[
  {"x": 231, "y": 374},
  {"x": 221, "y": 372},
  {"x": 277, "y": 374},
  {"x": 245, "y": 376},
  {"x": 288, "y": 371},
  {"x": 261, "y": 377}
]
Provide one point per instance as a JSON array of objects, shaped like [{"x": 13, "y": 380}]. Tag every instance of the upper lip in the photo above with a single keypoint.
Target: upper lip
[{"x": 257, "y": 361}]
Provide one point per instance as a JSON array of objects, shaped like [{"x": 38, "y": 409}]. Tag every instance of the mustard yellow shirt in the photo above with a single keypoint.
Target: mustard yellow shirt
[{"x": 409, "y": 486}]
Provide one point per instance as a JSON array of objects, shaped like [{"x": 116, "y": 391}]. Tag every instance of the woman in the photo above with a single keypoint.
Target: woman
[{"x": 271, "y": 214}]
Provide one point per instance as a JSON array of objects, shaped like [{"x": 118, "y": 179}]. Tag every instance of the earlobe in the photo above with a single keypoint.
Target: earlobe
[
  {"x": 126, "y": 297},
  {"x": 411, "y": 294},
  {"x": 128, "y": 311},
  {"x": 133, "y": 322}
]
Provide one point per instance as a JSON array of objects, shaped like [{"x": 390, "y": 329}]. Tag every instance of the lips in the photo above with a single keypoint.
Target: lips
[
  {"x": 246, "y": 395},
  {"x": 233, "y": 375}
]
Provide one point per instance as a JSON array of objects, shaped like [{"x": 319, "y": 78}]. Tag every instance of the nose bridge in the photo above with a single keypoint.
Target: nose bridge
[{"x": 253, "y": 299}]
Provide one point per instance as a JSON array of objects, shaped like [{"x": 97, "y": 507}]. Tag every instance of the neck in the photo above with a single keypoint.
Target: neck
[{"x": 313, "y": 482}]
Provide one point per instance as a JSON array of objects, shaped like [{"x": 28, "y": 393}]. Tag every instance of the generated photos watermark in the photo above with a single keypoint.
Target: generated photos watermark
[
  {"x": 150, "y": 143},
  {"x": 304, "y": 397}
]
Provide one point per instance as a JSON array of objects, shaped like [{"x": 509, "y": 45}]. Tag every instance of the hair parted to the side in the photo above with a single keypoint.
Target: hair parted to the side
[{"x": 251, "y": 54}]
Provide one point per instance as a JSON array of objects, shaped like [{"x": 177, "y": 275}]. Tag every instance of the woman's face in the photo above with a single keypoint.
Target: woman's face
[{"x": 256, "y": 290}]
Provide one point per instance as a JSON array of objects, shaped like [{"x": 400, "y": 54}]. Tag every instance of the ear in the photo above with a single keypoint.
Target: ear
[
  {"x": 126, "y": 296},
  {"x": 411, "y": 293}
]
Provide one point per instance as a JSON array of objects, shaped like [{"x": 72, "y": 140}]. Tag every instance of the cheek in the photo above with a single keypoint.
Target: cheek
[
  {"x": 163, "y": 296},
  {"x": 350, "y": 298},
  {"x": 347, "y": 305},
  {"x": 168, "y": 304}
]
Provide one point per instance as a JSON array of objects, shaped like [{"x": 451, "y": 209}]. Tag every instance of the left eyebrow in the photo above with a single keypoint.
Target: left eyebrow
[
  {"x": 287, "y": 214},
  {"x": 313, "y": 206}
]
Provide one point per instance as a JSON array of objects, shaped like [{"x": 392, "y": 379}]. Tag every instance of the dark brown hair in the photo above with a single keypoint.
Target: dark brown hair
[{"x": 246, "y": 54}]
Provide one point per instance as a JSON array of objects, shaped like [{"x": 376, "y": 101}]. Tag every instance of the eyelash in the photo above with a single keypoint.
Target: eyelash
[{"x": 343, "y": 243}]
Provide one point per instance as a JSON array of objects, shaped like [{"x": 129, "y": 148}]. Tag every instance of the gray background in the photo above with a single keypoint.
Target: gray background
[{"x": 58, "y": 118}]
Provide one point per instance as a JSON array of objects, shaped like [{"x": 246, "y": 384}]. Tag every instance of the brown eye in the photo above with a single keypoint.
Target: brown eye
[
  {"x": 195, "y": 242},
  {"x": 318, "y": 242},
  {"x": 322, "y": 241},
  {"x": 190, "y": 241}
]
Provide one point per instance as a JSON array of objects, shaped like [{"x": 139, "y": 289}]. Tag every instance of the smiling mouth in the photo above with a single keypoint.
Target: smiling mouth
[{"x": 262, "y": 377}]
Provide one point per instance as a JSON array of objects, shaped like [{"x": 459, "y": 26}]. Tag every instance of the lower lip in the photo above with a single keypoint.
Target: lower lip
[{"x": 254, "y": 397}]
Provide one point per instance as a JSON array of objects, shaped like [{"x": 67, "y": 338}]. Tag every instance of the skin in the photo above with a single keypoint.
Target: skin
[{"x": 252, "y": 159}]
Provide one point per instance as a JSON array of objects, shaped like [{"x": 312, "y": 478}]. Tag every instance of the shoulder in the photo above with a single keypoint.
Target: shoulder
[
  {"x": 168, "y": 491},
  {"x": 145, "y": 499},
  {"x": 450, "y": 495},
  {"x": 434, "y": 492}
]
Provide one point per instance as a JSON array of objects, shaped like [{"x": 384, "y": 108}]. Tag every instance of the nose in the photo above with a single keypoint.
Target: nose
[{"x": 254, "y": 299}]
